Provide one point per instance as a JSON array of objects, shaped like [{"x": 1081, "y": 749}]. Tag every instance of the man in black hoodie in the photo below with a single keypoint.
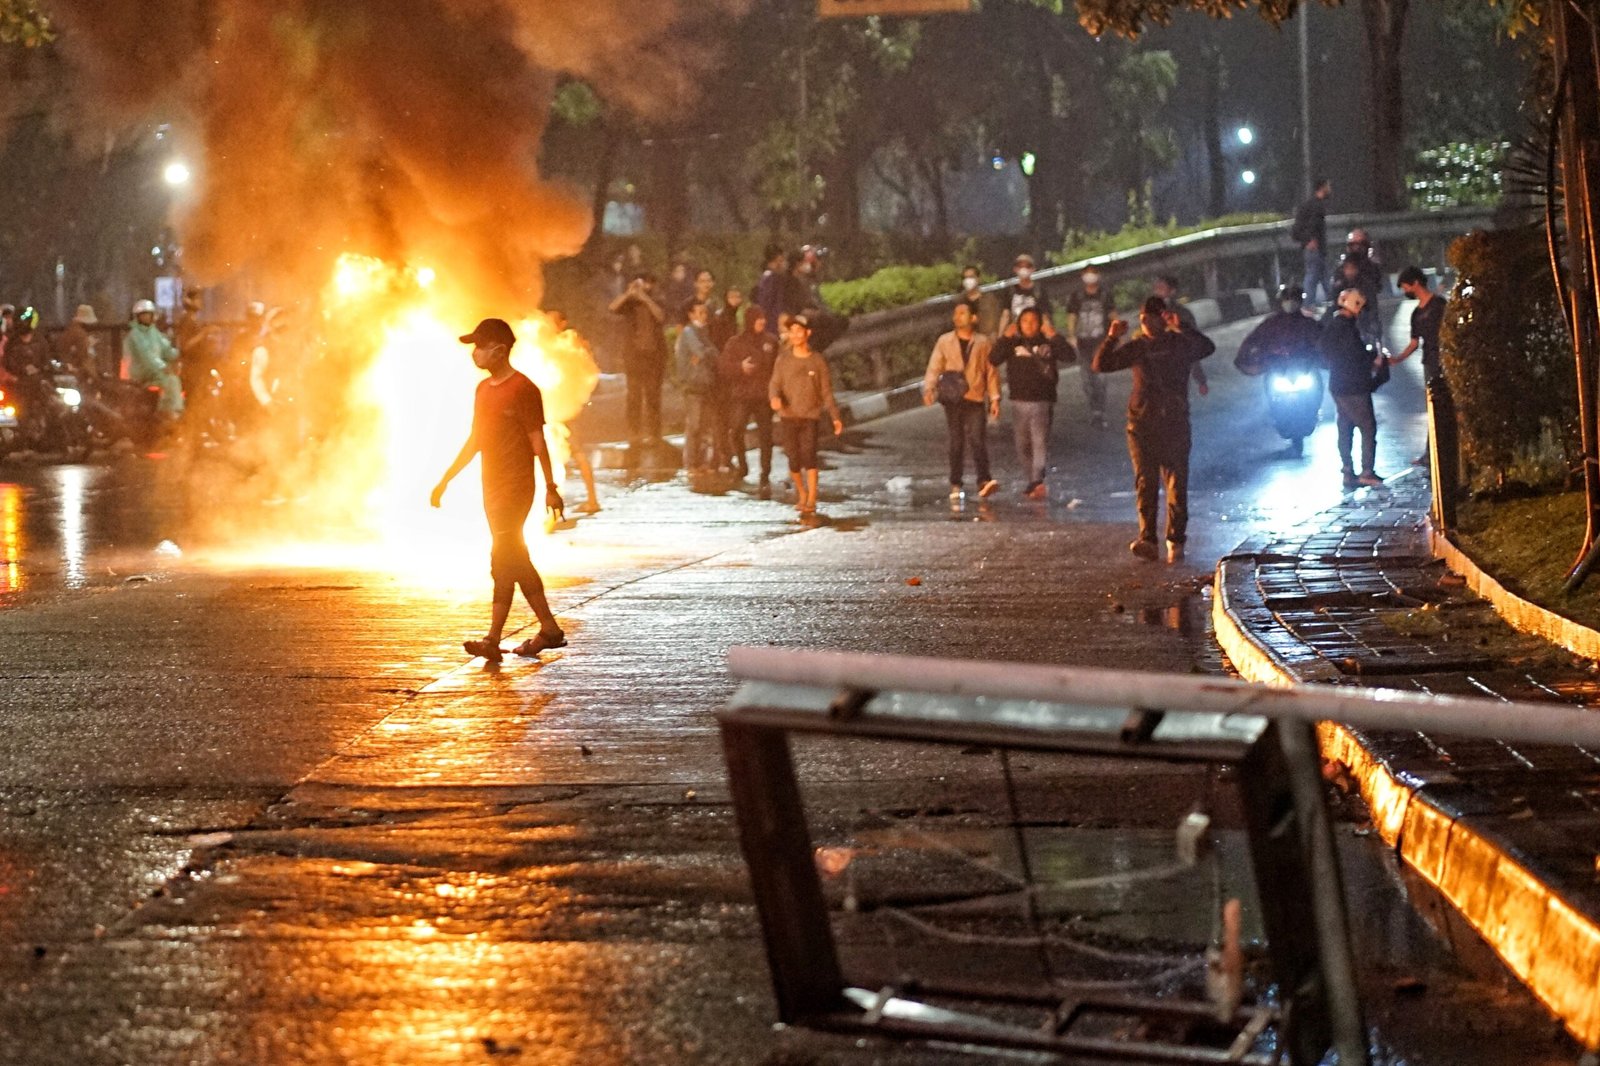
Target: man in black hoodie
[
  {"x": 1033, "y": 360},
  {"x": 1350, "y": 366},
  {"x": 1162, "y": 357}
]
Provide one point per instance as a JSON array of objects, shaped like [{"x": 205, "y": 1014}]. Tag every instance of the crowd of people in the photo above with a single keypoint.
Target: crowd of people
[
  {"x": 180, "y": 362},
  {"x": 738, "y": 363}
]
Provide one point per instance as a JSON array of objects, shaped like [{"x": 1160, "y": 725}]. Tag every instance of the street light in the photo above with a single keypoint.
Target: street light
[
  {"x": 1246, "y": 135},
  {"x": 177, "y": 174},
  {"x": 1248, "y": 177}
]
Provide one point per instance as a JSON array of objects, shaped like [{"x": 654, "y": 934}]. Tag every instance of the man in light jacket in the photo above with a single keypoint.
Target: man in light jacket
[{"x": 965, "y": 352}]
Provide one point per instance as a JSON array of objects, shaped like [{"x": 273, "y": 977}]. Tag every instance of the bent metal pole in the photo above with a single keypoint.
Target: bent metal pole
[{"x": 1365, "y": 708}]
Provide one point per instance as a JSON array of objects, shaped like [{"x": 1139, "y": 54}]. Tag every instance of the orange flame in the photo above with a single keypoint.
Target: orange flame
[{"x": 406, "y": 414}]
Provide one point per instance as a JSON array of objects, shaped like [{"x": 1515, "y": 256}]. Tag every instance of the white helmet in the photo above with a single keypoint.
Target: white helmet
[{"x": 144, "y": 307}]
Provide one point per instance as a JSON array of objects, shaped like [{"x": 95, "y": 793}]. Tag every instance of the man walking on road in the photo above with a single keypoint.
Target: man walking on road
[
  {"x": 1025, "y": 294},
  {"x": 1033, "y": 361},
  {"x": 1310, "y": 232},
  {"x": 961, "y": 377},
  {"x": 1161, "y": 358},
  {"x": 1350, "y": 366},
  {"x": 508, "y": 430},
  {"x": 1090, "y": 312}
]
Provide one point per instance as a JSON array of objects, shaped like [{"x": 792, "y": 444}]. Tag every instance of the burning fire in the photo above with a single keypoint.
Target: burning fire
[{"x": 406, "y": 413}]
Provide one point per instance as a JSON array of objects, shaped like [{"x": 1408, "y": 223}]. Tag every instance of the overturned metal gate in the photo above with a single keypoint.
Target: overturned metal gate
[{"x": 882, "y": 698}]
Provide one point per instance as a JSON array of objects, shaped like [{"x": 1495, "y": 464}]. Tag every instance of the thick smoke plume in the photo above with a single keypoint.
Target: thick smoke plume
[{"x": 403, "y": 129}]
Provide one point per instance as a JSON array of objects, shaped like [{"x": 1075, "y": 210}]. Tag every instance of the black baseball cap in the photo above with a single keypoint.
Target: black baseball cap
[{"x": 491, "y": 331}]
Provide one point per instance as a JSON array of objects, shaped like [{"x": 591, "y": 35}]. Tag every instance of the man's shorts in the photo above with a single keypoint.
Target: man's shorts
[{"x": 800, "y": 442}]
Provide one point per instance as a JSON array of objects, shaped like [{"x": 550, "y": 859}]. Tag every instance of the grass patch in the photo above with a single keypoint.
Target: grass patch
[{"x": 1527, "y": 545}]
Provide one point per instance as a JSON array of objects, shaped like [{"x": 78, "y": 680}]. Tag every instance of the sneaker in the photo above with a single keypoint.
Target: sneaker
[
  {"x": 484, "y": 649},
  {"x": 765, "y": 491},
  {"x": 542, "y": 642},
  {"x": 1036, "y": 491},
  {"x": 1145, "y": 549},
  {"x": 1369, "y": 478},
  {"x": 955, "y": 492},
  {"x": 1174, "y": 552},
  {"x": 989, "y": 488}
]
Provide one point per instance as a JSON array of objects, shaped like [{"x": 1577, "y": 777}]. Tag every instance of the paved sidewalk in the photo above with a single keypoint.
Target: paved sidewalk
[{"x": 1508, "y": 834}]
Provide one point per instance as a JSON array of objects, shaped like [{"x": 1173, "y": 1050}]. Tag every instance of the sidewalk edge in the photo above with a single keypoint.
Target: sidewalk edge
[
  {"x": 1518, "y": 612},
  {"x": 1547, "y": 943}
]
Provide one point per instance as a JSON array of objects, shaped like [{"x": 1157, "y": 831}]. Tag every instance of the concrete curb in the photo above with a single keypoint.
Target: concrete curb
[
  {"x": 1550, "y": 946},
  {"x": 1520, "y": 613}
]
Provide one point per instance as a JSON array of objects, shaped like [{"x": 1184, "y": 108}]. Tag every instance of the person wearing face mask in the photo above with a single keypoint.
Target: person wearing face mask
[
  {"x": 1024, "y": 294},
  {"x": 985, "y": 306},
  {"x": 1090, "y": 312},
  {"x": 1284, "y": 350},
  {"x": 508, "y": 432}
]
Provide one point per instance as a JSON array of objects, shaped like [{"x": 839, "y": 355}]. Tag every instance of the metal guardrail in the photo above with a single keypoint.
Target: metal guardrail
[{"x": 1203, "y": 248}]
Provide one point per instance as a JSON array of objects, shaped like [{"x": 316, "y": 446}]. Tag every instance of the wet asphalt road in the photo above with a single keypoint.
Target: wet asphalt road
[{"x": 254, "y": 813}]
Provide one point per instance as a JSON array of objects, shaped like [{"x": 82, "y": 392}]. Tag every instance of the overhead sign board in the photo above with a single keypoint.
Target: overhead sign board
[{"x": 862, "y": 8}]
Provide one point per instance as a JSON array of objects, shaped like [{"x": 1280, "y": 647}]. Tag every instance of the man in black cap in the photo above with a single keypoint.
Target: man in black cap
[
  {"x": 1162, "y": 358},
  {"x": 508, "y": 429}
]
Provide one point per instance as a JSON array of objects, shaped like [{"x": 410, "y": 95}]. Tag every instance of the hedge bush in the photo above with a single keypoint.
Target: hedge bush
[
  {"x": 1508, "y": 358},
  {"x": 893, "y": 286}
]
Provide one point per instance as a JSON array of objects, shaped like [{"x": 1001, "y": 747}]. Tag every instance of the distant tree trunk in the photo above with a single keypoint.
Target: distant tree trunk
[
  {"x": 669, "y": 190},
  {"x": 1214, "y": 80},
  {"x": 1385, "y": 23},
  {"x": 1577, "y": 52},
  {"x": 730, "y": 198},
  {"x": 605, "y": 169},
  {"x": 933, "y": 175}
]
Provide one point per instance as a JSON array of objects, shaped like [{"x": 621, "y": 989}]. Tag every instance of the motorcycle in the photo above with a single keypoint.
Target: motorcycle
[
  {"x": 1294, "y": 399},
  {"x": 10, "y": 424}
]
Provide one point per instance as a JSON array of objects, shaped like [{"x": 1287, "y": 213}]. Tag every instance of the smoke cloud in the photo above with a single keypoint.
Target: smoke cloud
[{"x": 403, "y": 129}]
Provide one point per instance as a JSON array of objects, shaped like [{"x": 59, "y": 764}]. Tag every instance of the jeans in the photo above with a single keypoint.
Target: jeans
[
  {"x": 1355, "y": 412},
  {"x": 644, "y": 401},
  {"x": 1160, "y": 454},
  {"x": 1316, "y": 281},
  {"x": 699, "y": 431},
  {"x": 1092, "y": 384},
  {"x": 967, "y": 422},
  {"x": 1030, "y": 422},
  {"x": 743, "y": 411}
]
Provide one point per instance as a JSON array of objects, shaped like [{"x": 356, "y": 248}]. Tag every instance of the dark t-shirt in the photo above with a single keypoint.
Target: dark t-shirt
[
  {"x": 1425, "y": 323},
  {"x": 503, "y": 416},
  {"x": 1020, "y": 299},
  {"x": 1094, "y": 313}
]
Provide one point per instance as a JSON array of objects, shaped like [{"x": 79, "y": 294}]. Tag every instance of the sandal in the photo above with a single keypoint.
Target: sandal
[
  {"x": 483, "y": 648},
  {"x": 543, "y": 642}
]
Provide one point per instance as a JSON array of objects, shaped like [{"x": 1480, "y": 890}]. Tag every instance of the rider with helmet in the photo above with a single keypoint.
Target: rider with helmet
[
  {"x": 1284, "y": 334},
  {"x": 149, "y": 357},
  {"x": 27, "y": 359},
  {"x": 1284, "y": 348}
]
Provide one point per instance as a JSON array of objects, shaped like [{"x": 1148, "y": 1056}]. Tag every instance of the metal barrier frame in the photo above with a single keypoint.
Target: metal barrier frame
[{"x": 1291, "y": 841}]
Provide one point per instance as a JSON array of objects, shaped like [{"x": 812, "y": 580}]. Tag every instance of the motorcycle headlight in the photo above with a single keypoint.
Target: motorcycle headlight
[
  {"x": 1302, "y": 382},
  {"x": 70, "y": 397}
]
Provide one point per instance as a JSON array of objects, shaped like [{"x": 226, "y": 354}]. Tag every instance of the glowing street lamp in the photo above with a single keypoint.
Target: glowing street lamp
[
  {"x": 1248, "y": 177},
  {"x": 1246, "y": 135},
  {"x": 177, "y": 174}
]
